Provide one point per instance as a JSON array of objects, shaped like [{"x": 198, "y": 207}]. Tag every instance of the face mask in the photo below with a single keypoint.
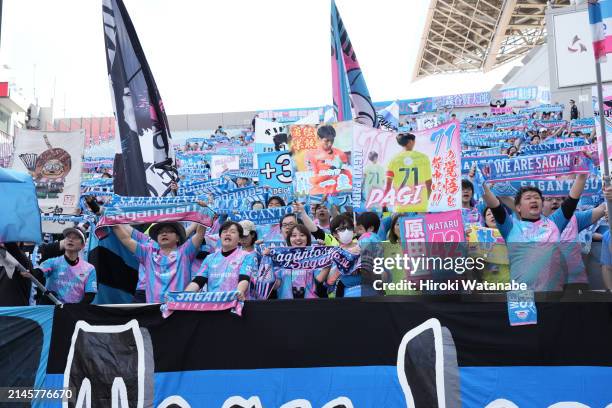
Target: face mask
[{"x": 345, "y": 236}]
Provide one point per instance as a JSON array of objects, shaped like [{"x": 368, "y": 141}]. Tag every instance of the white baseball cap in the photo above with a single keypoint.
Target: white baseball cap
[{"x": 247, "y": 227}]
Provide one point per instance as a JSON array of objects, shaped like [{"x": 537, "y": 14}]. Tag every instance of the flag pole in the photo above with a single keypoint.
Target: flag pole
[
  {"x": 604, "y": 144},
  {"x": 5, "y": 255}
]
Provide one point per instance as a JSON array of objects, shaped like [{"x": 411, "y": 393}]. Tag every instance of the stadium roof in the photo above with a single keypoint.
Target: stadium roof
[{"x": 479, "y": 35}]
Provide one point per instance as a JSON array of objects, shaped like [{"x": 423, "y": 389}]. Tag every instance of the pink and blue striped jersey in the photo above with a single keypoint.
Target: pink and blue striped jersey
[
  {"x": 144, "y": 239},
  {"x": 223, "y": 272},
  {"x": 533, "y": 249},
  {"x": 296, "y": 278},
  {"x": 69, "y": 282},
  {"x": 165, "y": 273}
]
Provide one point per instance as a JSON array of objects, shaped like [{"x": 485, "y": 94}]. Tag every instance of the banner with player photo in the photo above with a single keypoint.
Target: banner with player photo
[
  {"x": 404, "y": 175},
  {"x": 54, "y": 160},
  {"x": 322, "y": 158}
]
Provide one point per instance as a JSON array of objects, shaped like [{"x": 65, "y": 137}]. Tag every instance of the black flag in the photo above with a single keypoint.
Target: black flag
[{"x": 143, "y": 164}]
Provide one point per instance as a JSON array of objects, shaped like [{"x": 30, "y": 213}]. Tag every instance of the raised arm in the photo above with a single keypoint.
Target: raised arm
[
  {"x": 124, "y": 233},
  {"x": 489, "y": 198},
  {"x": 198, "y": 237},
  {"x": 298, "y": 208},
  {"x": 578, "y": 186}
]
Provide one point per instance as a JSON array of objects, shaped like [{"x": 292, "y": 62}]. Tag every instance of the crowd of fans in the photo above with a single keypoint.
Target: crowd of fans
[{"x": 553, "y": 243}]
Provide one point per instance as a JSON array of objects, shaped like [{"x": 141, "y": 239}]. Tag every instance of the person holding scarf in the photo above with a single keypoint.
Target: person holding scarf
[
  {"x": 343, "y": 230},
  {"x": 167, "y": 265},
  {"x": 300, "y": 283},
  {"x": 370, "y": 245},
  {"x": 532, "y": 237},
  {"x": 229, "y": 268},
  {"x": 69, "y": 277}
]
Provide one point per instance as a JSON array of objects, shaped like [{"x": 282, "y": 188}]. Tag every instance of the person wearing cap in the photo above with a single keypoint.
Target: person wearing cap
[
  {"x": 249, "y": 236},
  {"x": 71, "y": 279},
  {"x": 229, "y": 268},
  {"x": 165, "y": 259}
]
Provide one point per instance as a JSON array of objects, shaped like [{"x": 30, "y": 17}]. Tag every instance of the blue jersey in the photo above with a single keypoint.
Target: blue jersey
[
  {"x": 300, "y": 279},
  {"x": 165, "y": 273},
  {"x": 223, "y": 272},
  {"x": 533, "y": 249},
  {"x": 571, "y": 248},
  {"x": 70, "y": 282},
  {"x": 144, "y": 239}
]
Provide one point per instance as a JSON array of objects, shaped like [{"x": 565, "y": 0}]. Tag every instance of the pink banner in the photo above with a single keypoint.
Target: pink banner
[
  {"x": 434, "y": 227},
  {"x": 188, "y": 212},
  {"x": 423, "y": 175},
  {"x": 202, "y": 302},
  {"x": 234, "y": 305}
]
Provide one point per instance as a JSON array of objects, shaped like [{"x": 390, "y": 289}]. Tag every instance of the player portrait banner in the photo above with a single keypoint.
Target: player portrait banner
[
  {"x": 535, "y": 166},
  {"x": 154, "y": 214},
  {"x": 54, "y": 161},
  {"x": 419, "y": 176},
  {"x": 548, "y": 187},
  {"x": 322, "y": 164},
  {"x": 145, "y": 153},
  {"x": 314, "y": 257},
  {"x": 349, "y": 90},
  {"x": 275, "y": 169}
]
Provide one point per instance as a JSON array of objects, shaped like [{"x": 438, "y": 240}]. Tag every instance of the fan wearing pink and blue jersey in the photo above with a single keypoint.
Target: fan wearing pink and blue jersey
[
  {"x": 167, "y": 261},
  {"x": 533, "y": 238},
  {"x": 229, "y": 268},
  {"x": 70, "y": 278}
]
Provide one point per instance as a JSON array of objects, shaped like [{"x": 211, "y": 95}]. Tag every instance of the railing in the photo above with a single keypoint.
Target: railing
[{"x": 6, "y": 149}]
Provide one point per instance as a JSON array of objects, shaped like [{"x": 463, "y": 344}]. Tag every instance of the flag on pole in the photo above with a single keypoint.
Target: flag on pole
[
  {"x": 388, "y": 118},
  {"x": 600, "y": 19},
  {"x": 349, "y": 90},
  {"x": 145, "y": 149}
]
